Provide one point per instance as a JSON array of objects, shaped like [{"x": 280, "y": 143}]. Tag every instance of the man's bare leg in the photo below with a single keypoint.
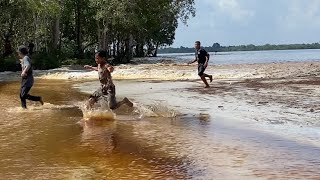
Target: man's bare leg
[
  {"x": 90, "y": 103},
  {"x": 203, "y": 78},
  {"x": 124, "y": 101},
  {"x": 41, "y": 101},
  {"x": 209, "y": 76}
]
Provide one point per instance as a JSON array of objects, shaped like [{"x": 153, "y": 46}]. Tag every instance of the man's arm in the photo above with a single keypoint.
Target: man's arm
[
  {"x": 110, "y": 68},
  {"x": 26, "y": 69},
  {"x": 207, "y": 59},
  {"x": 191, "y": 62},
  {"x": 91, "y": 68}
]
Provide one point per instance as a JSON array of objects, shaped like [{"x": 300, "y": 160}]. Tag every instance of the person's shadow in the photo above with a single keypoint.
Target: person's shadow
[{"x": 98, "y": 136}]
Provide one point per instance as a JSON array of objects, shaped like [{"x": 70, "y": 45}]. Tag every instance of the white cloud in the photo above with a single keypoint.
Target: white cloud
[
  {"x": 232, "y": 8},
  {"x": 232, "y": 22},
  {"x": 302, "y": 14}
]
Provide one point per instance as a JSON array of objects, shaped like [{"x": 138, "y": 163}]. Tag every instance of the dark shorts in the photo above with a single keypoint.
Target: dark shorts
[
  {"x": 201, "y": 69},
  {"x": 108, "y": 96},
  {"x": 27, "y": 81}
]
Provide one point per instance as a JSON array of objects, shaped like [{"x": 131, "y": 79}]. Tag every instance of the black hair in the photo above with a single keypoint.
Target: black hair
[
  {"x": 23, "y": 50},
  {"x": 198, "y": 42},
  {"x": 102, "y": 53}
]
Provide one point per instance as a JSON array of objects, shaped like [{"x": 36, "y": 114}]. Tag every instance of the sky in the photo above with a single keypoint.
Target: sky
[{"x": 237, "y": 22}]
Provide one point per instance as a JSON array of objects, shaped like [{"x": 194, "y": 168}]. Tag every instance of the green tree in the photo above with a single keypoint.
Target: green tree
[{"x": 69, "y": 28}]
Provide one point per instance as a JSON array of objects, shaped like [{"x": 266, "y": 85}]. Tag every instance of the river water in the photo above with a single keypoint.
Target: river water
[
  {"x": 170, "y": 134},
  {"x": 248, "y": 57}
]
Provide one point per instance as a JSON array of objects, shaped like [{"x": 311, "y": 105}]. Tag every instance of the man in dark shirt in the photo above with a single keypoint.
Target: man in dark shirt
[{"x": 202, "y": 57}]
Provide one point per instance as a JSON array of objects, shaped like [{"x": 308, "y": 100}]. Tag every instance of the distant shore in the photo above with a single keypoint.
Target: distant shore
[{"x": 216, "y": 47}]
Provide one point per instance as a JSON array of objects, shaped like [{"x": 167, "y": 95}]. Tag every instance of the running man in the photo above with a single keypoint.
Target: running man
[
  {"x": 107, "y": 87},
  {"x": 27, "y": 78},
  {"x": 202, "y": 57}
]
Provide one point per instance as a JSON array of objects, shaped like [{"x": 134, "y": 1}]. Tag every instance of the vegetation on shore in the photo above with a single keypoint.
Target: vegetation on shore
[{"x": 57, "y": 30}]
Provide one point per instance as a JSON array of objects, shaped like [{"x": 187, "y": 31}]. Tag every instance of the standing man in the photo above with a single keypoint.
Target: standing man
[
  {"x": 27, "y": 78},
  {"x": 202, "y": 56}
]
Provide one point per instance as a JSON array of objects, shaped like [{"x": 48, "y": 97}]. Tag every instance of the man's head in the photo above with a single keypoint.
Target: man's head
[
  {"x": 22, "y": 51},
  {"x": 101, "y": 57},
  {"x": 197, "y": 45}
]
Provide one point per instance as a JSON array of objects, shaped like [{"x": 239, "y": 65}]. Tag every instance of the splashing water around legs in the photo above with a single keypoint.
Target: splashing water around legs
[
  {"x": 101, "y": 110},
  {"x": 98, "y": 111}
]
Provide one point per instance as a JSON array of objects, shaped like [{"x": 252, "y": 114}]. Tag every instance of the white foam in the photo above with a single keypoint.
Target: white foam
[
  {"x": 155, "y": 110},
  {"x": 80, "y": 75},
  {"x": 45, "y": 107},
  {"x": 98, "y": 115},
  {"x": 153, "y": 72}
]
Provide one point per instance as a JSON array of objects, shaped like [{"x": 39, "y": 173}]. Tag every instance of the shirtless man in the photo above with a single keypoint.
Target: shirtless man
[
  {"x": 107, "y": 87},
  {"x": 202, "y": 57}
]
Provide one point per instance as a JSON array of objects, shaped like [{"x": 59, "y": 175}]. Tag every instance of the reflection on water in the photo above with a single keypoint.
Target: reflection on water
[
  {"x": 53, "y": 142},
  {"x": 98, "y": 135}
]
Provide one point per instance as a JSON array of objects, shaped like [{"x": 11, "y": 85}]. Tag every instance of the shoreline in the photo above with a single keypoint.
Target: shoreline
[
  {"x": 280, "y": 92},
  {"x": 277, "y": 93},
  {"x": 173, "y": 71},
  {"x": 203, "y": 103}
]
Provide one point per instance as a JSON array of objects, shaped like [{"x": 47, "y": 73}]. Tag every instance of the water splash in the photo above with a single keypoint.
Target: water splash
[
  {"x": 98, "y": 114},
  {"x": 155, "y": 110},
  {"x": 45, "y": 107},
  {"x": 100, "y": 111}
]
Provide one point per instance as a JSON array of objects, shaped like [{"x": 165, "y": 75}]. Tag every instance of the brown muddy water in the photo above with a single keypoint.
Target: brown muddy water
[{"x": 52, "y": 142}]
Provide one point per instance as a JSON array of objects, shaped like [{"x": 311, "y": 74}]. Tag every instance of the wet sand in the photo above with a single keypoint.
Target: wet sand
[{"x": 243, "y": 130}]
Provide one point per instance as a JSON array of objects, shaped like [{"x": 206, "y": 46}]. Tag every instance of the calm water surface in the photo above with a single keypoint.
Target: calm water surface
[{"x": 248, "y": 57}]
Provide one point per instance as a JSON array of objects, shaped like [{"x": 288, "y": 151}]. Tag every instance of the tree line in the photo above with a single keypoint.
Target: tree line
[
  {"x": 60, "y": 29},
  {"x": 216, "y": 47}
]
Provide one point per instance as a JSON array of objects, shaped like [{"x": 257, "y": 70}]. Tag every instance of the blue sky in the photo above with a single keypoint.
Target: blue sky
[{"x": 235, "y": 22}]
